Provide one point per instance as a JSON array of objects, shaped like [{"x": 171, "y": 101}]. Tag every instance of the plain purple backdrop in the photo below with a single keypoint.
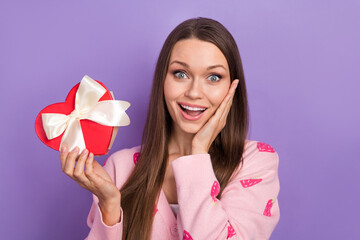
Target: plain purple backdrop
[{"x": 301, "y": 62}]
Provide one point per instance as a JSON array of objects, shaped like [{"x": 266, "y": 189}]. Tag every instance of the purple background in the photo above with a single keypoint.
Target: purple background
[{"x": 301, "y": 61}]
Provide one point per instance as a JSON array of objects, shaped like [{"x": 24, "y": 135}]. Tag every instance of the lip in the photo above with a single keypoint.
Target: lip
[
  {"x": 191, "y": 105},
  {"x": 188, "y": 117}
]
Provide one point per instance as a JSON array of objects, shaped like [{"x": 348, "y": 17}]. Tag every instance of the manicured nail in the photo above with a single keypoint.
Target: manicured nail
[
  {"x": 75, "y": 149},
  {"x": 85, "y": 151},
  {"x": 63, "y": 149}
]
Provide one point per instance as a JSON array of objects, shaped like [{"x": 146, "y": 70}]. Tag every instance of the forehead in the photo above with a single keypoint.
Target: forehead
[{"x": 198, "y": 53}]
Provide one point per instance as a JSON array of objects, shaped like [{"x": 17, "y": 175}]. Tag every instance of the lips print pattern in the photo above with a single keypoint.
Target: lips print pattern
[
  {"x": 268, "y": 208},
  {"x": 263, "y": 147},
  {"x": 155, "y": 210},
  {"x": 136, "y": 157},
  {"x": 187, "y": 236},
  {"x": 215, "y": 189},
  {"x": 231, "y": 232},
  {"x": 249, "y": 182}
]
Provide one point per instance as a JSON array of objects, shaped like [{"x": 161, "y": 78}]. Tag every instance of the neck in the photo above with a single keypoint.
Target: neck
[{"x": 180, "y": 143}]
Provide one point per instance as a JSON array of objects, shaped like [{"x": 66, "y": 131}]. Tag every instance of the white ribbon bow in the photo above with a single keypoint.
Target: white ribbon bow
[{"x": 87, "y": 106}]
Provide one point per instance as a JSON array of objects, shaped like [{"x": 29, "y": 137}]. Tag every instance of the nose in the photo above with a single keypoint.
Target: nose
[{"x": 194, "y": 89}]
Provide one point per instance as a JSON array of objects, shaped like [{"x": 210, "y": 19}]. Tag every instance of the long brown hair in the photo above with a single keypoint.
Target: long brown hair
[{"x": 140, "y": 192}]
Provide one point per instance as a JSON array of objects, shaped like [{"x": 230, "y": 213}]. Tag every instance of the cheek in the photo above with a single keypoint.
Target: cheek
[
  {"x": 168, "y": 91},
  {"x": 218, "y": 94}
]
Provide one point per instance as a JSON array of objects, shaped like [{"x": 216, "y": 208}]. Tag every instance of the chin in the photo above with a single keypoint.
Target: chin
[{"x": 190, "y": 128}]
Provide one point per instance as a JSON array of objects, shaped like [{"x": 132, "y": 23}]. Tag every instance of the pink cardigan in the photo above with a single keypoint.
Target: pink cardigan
[{"x": 248, "y": 208}]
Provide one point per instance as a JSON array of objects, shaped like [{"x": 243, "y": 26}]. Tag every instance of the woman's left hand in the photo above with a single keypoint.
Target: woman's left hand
[{"x": 204, "y": 138}]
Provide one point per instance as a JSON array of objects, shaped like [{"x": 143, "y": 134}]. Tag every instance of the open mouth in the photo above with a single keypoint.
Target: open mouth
[{"x": 192, "y": 113}]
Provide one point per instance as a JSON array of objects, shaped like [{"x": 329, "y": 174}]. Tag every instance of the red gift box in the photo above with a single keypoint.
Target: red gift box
[{"x": 86, "y": 121}]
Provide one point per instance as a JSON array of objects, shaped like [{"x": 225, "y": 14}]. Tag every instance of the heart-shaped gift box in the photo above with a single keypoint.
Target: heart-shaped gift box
[{"x": 95, "y": 126}]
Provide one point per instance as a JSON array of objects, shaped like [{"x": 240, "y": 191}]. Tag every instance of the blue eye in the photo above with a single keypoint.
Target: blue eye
[
  {"x": 180, "y": 74},
  {"x": 214, "y": 78}
]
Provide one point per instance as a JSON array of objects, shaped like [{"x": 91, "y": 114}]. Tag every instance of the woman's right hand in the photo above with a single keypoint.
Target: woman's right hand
[{"x": 90, "y": 175}]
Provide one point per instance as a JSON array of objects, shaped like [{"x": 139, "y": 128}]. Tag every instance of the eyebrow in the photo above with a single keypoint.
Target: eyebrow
[{"x": 187, "y": 66}]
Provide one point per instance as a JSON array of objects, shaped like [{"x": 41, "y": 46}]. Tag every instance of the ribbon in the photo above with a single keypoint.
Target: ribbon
[{"x": 87, "y": 106}]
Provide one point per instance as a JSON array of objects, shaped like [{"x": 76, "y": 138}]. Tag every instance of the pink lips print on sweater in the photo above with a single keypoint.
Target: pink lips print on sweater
[
  {"x": 268, "y": 208},
  {"x": 263, "y": 147},
  {"x": 187, "y": 236},
  {"x": 249, "y": 182},
  {"x": 231, "y": 232},
  {"x": 136, "y": 157},
  {"x": 215, "y": 189}
]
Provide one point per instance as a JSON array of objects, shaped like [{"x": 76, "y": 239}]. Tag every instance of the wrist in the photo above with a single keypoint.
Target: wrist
[
  {"x": 198, "y": 147},
  {"x": 110, "y": 211},
  {"x": 198, "y": 150},
  {"x": 110, "y": 203}
]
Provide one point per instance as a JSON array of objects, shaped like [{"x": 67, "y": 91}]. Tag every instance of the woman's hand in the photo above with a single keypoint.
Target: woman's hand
[
  {"x": 90, "y": 175},
  {"x": 204, "y": 138}
]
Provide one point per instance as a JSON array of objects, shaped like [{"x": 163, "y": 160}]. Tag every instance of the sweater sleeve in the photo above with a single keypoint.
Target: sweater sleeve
[
  {"x": 248, "y": 208},
  {"x": 99, "y": 230}
]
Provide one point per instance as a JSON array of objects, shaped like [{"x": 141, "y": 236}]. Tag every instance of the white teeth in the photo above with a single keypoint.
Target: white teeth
[{"x": 193, "y": 108}]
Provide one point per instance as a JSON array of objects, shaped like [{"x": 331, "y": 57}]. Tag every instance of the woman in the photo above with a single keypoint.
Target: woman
[{"x": 195, "y": 175}]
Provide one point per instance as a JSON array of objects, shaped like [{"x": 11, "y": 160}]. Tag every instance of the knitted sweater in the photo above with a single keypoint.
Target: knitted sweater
[{"x": 248, "y": 208}]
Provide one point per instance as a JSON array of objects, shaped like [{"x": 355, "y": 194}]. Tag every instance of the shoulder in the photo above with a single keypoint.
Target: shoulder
[
  {"x": 120, "y": 164},
  {"x": 255, "y": 149},
  {"x": 258, "y": 156}
]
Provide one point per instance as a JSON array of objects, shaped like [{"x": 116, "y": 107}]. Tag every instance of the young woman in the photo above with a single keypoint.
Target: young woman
[{"x": 195, "y": 175}]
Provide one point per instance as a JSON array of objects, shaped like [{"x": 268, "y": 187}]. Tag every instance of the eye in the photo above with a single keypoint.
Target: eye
[
  {"x": 214, "y": 78},
  {"x": 180, "y": 74}
]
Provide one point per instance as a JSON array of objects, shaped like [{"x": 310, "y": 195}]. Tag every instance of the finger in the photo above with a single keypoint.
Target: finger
[
  {"x": 89, "y": 170},
  {"x": 63, "y": 155},
  {"x": 89, "y": 164},
  {"x": 229, "y": 99},
  {"x": 224, "y": 115},
  {"x": 229, "y": 96},
  {"x": 70, "y": 162},
  {"x": 232, "y": 90},
  {"x": 218, "y": 120},
  {"x": 79, "y": 168}
]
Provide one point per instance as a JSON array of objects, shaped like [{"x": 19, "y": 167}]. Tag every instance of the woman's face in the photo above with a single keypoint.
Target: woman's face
[{"x": 197, "y": 81}]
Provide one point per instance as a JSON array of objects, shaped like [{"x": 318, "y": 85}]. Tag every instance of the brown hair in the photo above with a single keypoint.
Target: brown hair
[{"x": 140, "y": 192}]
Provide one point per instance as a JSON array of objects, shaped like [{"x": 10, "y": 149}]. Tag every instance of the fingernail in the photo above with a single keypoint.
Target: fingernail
[
  {"x": 63, "y": 149},
  {"x": 75, "y": 149},
  {"x": 91, "y": 155},
  {"x": 85, "y": 151}
]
